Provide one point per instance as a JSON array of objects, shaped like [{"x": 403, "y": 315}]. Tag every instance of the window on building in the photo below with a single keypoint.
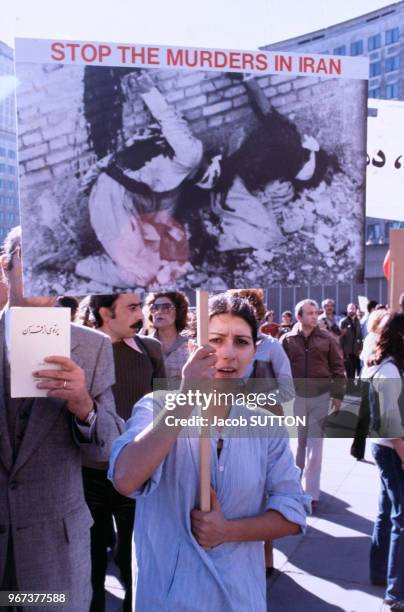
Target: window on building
[
  {"x": 357, "y": 47},
  {"x": 392, "y": 36},
  {"x": 374, "y": 233},
  {"x": 392, "y": 91},
  {"x": 374, "y": 42},
  {"x": 2, "y": 152},
  {"x": 340, "y": 50},
  {"x": 11, "y": 185},
  {"x": 11, "y": 169},
  {"x": 2, "y": 167},
  {"x": 376, "y": 92},
  {"x": 375, "y": 69},
  {"x": 392, "y": 63}
]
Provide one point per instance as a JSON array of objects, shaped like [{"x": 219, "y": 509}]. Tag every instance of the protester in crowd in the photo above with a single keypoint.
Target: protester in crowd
[
  {"x": 270, "y": 360},
  {"x": 138, "y": 361},
  {"x": 268, "y": 371},
  {"x": 269, "y": 327},
  {"x": 351, "y": 344},
  {"x": 318, "y": 373},
  {"x": 168, "y": 318},
  {"x": 68, "y": 301},
  {"x": 183, "y": 561},
  {"x": 374, "y": 325},
  {"x": 45, "y": 535},
  {"x": 371, "y": 306},
  {"x": 286, "y": 323},
  {"x": 328, "y": 319},
  {"x": 387, "y": 420},
  {"x": 133, "y": 199}
]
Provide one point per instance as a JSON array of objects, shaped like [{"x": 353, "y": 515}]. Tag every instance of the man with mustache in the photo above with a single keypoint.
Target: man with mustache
[{"x": 138, "y": 360}]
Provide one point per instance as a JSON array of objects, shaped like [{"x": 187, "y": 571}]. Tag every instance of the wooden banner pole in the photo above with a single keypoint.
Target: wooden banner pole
[{"x": 202, "y": 317}]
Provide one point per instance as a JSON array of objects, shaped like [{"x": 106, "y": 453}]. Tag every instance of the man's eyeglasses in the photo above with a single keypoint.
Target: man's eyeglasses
[{"x": 162, "y": 307}]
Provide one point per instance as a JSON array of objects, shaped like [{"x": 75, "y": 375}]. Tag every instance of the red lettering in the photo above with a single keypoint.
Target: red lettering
[
  {"x": 234, "y": 60},
  {"x": 153, "y": 56},
  {"x": 261, "y": 62},
  {"x": 123, "y": 49},
  {"x": 191, "y": 57},
  {"x": 73, "y": 47},
  {"x": 221, "y": 59},
  {"x": 206, "y": 56},
  {"x": 335, "y": 66},
  {"x": 283, "y": 62},
  {"x": 141, "y": 54},
  {"x": 175, "y": 57},
  {"x": 104, "y": 51},
  {"x": 58, "y": 47},
  {"x": 322, "y": 66},
  {"x": 91, "y": 56},
  {"x": 248, "y": 60},
  {"x": 306, "y": 64}
]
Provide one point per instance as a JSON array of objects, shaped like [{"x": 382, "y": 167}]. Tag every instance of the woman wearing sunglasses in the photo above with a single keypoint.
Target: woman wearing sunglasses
[
  {"x": 168, "y": 317},
  {"x": 192, "y": 561}
]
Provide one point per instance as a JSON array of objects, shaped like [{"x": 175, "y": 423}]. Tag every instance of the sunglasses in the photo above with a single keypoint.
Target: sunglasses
[{"x": 162, "y": 307}]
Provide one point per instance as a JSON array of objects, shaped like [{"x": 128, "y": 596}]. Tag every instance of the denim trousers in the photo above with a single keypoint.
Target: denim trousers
[
  {"x": 387, "y": 549},
  {"x": 104, "y": 503}
]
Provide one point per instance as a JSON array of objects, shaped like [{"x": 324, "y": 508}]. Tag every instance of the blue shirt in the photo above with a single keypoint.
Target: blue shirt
[{"x": 254, "y": 473}]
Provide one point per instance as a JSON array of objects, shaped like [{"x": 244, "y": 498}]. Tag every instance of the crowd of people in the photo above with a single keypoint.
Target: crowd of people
[{"x": 85, "y": 468}]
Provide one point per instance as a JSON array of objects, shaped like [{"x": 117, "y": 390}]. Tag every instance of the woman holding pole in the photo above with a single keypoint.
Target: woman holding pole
[{"x": 183, "y": 554}]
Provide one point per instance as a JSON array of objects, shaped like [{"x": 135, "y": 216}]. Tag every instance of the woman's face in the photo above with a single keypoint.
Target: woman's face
[
  {"x": 163, "y": 313},
  {"x": 232, "y": 338}
]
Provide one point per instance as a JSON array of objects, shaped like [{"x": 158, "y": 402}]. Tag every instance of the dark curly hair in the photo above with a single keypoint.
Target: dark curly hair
[
  {"x": 180, "y": 302},
  {"x": 228, "y": 303},
  {"x": 390, "y": 342},
  {"x": 256, "y": 299},
  {"x": 93, "y": 305}
]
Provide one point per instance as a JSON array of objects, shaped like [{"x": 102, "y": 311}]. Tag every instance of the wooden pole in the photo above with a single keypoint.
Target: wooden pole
[{"x": 204, "y": 441}]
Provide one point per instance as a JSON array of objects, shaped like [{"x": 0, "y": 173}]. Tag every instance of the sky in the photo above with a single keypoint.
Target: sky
[{"x": 237, "y": 24}]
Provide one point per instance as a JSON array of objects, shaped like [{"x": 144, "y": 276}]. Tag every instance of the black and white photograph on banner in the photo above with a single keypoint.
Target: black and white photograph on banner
[{"x": 140, "y": 177}]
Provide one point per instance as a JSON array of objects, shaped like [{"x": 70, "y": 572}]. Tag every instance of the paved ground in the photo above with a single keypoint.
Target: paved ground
[{"x": 325, "y": 570}]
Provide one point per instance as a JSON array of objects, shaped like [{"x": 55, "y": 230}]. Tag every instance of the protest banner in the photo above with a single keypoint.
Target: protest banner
[
  {"x": 146, "y": 167},
  {"x": 385, "y": 161},
  {"x": 149, "y": 166}
]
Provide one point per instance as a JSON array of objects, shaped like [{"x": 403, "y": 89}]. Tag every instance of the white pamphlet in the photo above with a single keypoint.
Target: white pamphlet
[
  {"x": 363, "y": 302},
  {"x": 36, "y": 333}
]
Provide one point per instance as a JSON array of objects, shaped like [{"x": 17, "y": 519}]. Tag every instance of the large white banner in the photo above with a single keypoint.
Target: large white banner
[
  {"x": 385, "y": 170},
  {"x": 175, "y": 167}
]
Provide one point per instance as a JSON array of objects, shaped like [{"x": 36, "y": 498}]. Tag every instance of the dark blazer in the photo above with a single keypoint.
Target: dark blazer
[{"x": 41, "y": 494}]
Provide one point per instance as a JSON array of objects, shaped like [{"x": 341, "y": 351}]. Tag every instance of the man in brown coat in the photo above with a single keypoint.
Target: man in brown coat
[{"x": 319, "y": 374}]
